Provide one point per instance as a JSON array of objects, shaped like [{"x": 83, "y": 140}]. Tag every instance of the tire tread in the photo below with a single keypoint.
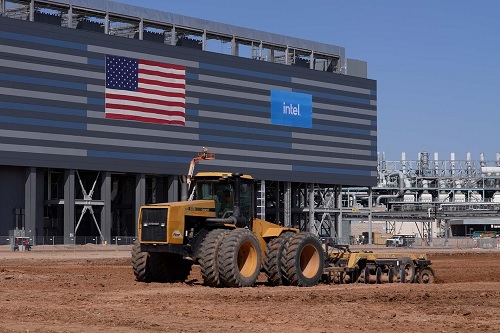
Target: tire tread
[
  {"x": 291, "y": 270},
  {"x": 228, "y": 268},
  {"x": 209, "y": 257}
]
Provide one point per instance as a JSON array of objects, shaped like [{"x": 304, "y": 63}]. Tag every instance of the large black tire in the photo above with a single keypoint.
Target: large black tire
[
  {"x": 303, "y": 260},
  {"x": 196, "y": 243},
  {"x": 240, "y": 259},
  {"x": 366, "y": 275},
  {"x": 378, "y": 275},
  {"x": 272, "y": 259},
  {"x": 209, "y": 251},
  {"x": 406, "y": 270},
  {"x": 426, "y": 275},
  {"x": 391, "y": 275},
  {"x": 140, "y": 263},
  {"x": 355, "y": 275}
]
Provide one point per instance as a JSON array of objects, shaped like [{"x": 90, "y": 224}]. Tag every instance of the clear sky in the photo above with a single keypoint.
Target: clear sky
[{"x": 437, "y": 63}]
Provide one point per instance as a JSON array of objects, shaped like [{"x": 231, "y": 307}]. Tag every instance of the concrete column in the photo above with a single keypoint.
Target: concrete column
[
  {"x": 70, "y": 16},
  {"x": 2, "y": 7},
  {"x": 140, "y": 195},
  {"x": 106, "y": 24},
  {"x": 172, "y": 36},
  {"x": 184, "y": 189},
  {"x": 32, "y": 10},
  {"x": 234, "y": 47},
  {"x": 173, "y": 189},
  {"x": 141, "y": 29},
  {"x": 286, "y": 56},
  {"x": 69, "y": 206},
  {"x": 311, "y": 60},
  {"x": 204, "y": 40},
  {"x": 106, "y": 218},
  {"x": 33, "y": 203}
]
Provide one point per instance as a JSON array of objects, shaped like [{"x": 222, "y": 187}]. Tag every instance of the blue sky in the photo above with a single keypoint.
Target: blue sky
[{"x": 436, "y": 62}]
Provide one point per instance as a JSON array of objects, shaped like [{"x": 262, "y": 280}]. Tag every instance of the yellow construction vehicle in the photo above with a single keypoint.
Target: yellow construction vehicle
[{"x": 218, "y": 230}]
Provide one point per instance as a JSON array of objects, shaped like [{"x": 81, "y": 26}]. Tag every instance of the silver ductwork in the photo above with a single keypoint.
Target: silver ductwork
[{"x": 401, "y": 188}]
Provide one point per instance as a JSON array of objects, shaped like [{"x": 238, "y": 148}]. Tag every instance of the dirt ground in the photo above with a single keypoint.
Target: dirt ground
[{"x": 95, "y": 291}]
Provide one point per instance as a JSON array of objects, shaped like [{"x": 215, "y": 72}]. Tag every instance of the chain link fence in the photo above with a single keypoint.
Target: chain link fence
[
  {"x": 12, "y": 243},
  {"x": 78, "y": 243},
  {"x": 452, "y": 242}
]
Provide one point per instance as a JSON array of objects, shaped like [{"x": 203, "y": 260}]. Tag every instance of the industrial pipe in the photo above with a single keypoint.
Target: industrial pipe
[
  {"x": 490, "y": 170},
  {"x": 401, "y": 188}
]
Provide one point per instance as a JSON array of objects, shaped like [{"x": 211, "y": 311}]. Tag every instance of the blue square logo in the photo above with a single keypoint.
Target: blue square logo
[{"x": 291, "y": 109}]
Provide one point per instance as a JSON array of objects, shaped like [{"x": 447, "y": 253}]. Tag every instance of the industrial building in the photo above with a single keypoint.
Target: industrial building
[
  {"x": 82, "y": 147},
  {"x": 430, "y": 196}
]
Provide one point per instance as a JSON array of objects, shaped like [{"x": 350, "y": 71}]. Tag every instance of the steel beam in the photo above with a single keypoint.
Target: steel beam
[
  {"x": 140, "y": 194},
  {"x": 287, "y": 202},
  {"x": 106, "y": 218},
  {"x": 173, "y": 188},
  {"x": 33, "y": 198},
  {"x": 69, "y": 206}
]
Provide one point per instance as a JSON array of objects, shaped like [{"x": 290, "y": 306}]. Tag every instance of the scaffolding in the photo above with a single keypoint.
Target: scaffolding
[{"x": 128, "y": 21}]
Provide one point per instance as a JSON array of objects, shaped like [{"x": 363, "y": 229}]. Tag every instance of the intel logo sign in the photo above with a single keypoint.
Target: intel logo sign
[{"x": 291, "y": 109}]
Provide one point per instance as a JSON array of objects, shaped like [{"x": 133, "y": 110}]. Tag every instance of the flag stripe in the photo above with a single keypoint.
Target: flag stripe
[
  {"x": 144, "y": 102},
  {"x": 156, "y": 113},
  {"x": 145, "y": 106},
  {"x": 148, "y": 91},
  {"x": 161, "y": 83},
  {"x": 161, "y": 71},
  {"x": 162, "y": 65},
  {"x": 139, "y": 96},
  {"x": 161, "y": 88},
  {"x": 161, "y": 94},
  {"x": 159, "y": 74},
  {"x": 145, "y": 119}
]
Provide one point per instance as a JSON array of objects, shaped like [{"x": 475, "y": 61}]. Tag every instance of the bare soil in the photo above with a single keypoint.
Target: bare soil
[{"x": 95, "y": 291}]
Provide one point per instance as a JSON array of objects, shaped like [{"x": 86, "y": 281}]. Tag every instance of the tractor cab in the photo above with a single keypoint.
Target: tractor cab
[{"x": 221, "y": 188}]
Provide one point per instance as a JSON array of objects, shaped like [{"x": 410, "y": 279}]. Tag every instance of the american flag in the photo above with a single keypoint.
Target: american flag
[{"x": 146, "y": 91}]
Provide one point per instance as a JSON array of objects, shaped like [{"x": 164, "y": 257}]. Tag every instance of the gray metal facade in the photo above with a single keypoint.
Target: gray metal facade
[
  {"x": 357, "y": 68},
  {"x": 52, "y": 112},
  {"x": 68, "y": 171}
]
